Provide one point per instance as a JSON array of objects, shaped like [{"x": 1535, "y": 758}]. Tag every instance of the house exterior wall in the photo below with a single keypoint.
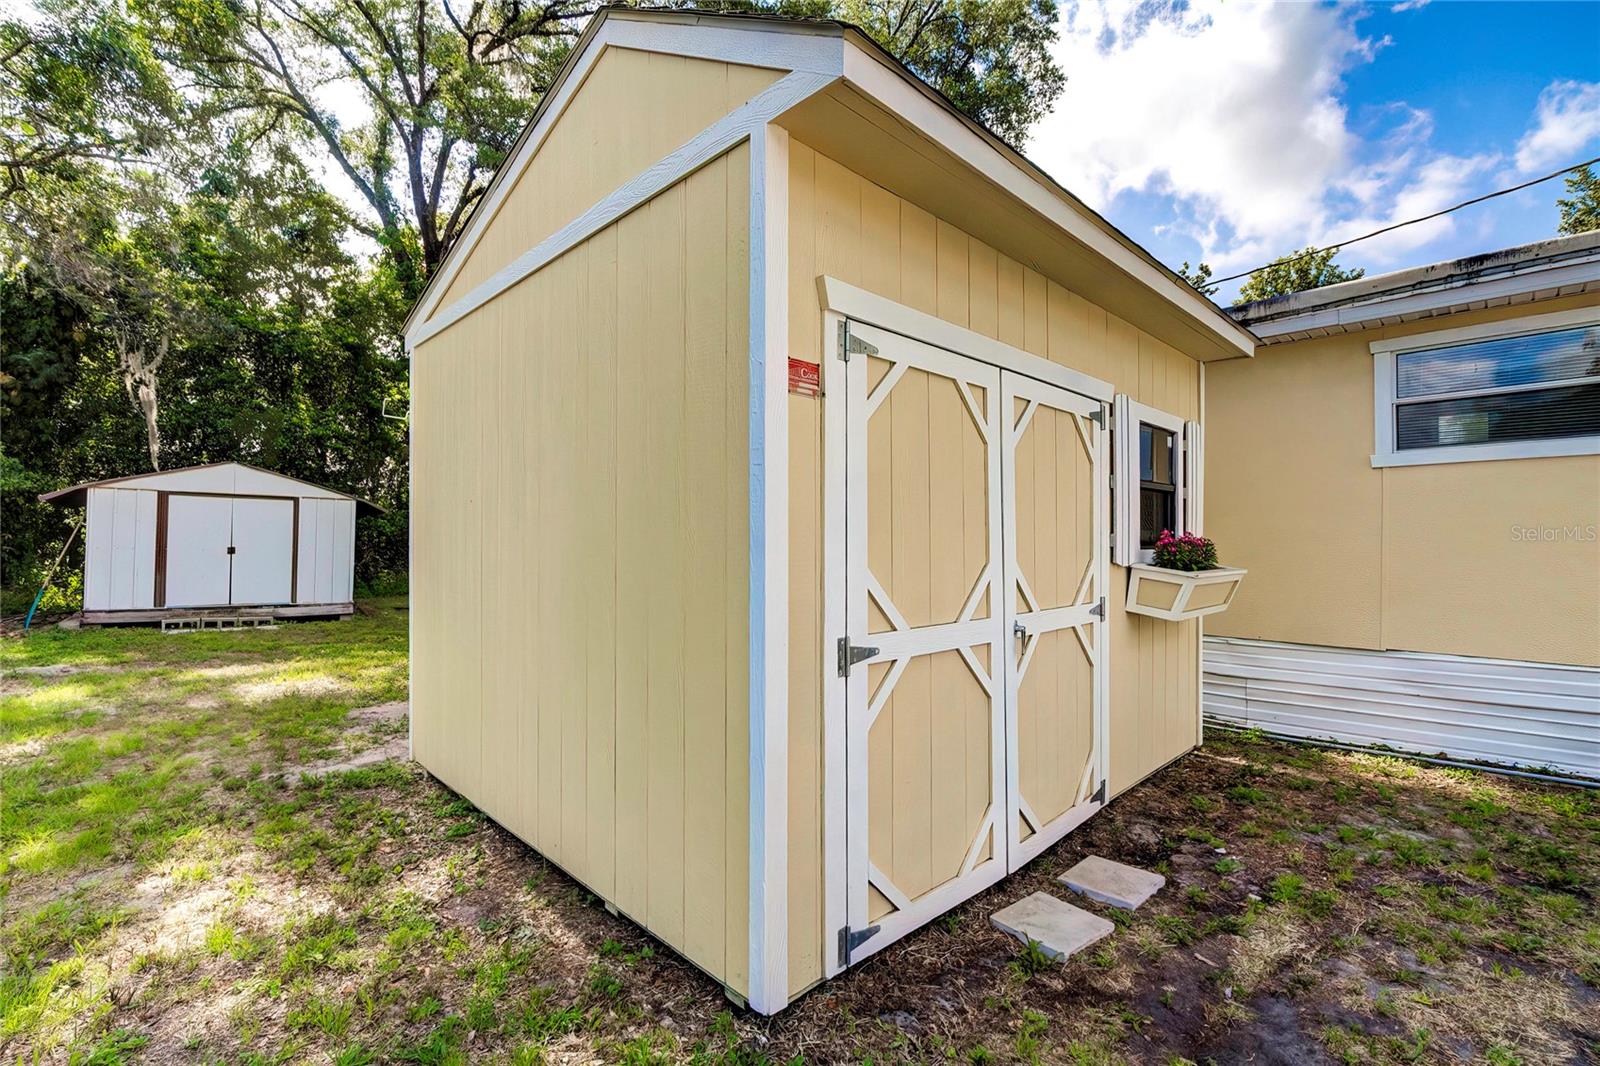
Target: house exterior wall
[
  {"x": 633, "y": 108},
  {"x": 1411, "y": 558},
  {"x": 580, "y": 532},
  {"x": 846, "y": 227}
]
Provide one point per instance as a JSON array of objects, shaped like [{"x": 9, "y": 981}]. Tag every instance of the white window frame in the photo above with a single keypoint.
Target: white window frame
[
  {"x": 1129, "y": 415},
  {"x": 1385, "y": 355}
]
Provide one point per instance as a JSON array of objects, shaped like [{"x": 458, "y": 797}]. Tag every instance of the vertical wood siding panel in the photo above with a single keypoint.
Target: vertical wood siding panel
[
  {"x": 1035, "y": 320},
  {"x": 600, "y": 591},
  {"x": 880, "y": 241},
  {"x": 919, "y": 249},
  {"x": 665, "y": 462},
  {"x": 490, "y": 432},
  {"x": 705, "y": 624},
  {"x": 553, "y": 561},
  {"x": 954, "y": 298},
  {"x": 578, "y": 494},
  {"x": 1011, "y": 319},
  {"x": 634, "y": 554},
  {"x": 984, "y": 306},
  {"x": 805, "y": 577}
]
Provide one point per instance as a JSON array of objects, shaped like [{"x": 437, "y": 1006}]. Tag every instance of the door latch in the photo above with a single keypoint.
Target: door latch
[{"x": 850, "y": 654}]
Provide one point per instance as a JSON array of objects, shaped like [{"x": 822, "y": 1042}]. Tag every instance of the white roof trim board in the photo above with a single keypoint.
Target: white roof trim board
[
  {"x": 816, "y": 54},
  {"x": 1544, "y": 270}
]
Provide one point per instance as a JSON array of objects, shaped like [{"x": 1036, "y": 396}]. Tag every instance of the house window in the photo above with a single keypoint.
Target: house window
[
  {"x": 1155, "y": 481},
  {"x": 1510, "y": 390}
]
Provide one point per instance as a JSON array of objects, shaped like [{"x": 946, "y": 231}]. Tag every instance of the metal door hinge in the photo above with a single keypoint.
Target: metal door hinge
[
  {"x": 1098, "y": 416},
  {"x": 1099, "y": 793},
  {"x": 852, "y": 345},
  {"x": 850, "y": 939},
  {"x": 850, "y": 654},
  {"x": 1099, "y": 609}
]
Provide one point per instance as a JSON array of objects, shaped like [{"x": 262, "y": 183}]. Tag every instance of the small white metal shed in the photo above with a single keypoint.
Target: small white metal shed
[{"x": 216, "y": 536}]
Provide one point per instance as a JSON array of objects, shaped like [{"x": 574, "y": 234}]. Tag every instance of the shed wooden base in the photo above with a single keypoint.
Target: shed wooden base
[{"x": 166, "y": 614}]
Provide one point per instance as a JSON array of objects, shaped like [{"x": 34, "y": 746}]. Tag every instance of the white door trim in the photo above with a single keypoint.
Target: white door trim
[
  {"x": 840, "y": 301},
  {"x": 959, "y": 635},
  {"x": 852, "y": 302},
  {"x": 1043, "y": 620}
]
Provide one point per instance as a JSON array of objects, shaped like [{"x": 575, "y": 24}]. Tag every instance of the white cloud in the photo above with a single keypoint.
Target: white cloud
[
  {"x": 1234, "y": 113},
  {"x": 1567, "y": 120}
]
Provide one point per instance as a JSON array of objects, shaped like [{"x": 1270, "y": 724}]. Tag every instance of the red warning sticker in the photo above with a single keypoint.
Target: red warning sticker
[{"x": 805, "y": 379}]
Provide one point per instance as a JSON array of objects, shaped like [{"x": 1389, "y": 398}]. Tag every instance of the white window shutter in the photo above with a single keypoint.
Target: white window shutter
[
  {"x": 1193, "y": 478},
  {"x": 1124, "y": 457}
]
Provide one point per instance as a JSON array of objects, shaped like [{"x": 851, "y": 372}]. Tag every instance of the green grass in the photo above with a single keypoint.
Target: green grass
[{"x": 174, "y": 888}]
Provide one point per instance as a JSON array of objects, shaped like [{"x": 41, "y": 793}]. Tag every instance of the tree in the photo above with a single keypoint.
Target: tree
[
  {"x": 1296, "y": 272},
  {"x": 447, "y": 88},
  {"x": 1580, "y": 208},
  {"x": 1200, "y": 277}
]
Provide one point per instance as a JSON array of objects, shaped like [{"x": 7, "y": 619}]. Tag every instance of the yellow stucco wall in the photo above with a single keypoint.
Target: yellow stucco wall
[
  {"x": 845, "y": 226},
  {"x": 1419, "y": 558},
  {"x": 580, "y": 533}
]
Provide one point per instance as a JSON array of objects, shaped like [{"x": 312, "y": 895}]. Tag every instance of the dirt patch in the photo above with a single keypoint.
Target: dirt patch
[
  {"x": 395, "y": 749},
  {"x": 261, "y": 691},
  {"x": 383, "y": 712}
]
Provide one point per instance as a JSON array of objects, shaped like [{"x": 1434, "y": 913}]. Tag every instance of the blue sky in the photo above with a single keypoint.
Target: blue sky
[{"x": 1233, "y": 131}]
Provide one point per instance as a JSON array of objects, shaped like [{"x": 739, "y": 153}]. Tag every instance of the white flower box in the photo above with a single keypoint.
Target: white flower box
[{"x": 1177, "y": 595}]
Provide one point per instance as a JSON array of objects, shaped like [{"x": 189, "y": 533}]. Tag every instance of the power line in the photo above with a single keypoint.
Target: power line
[{"x": 1408, "y": 222}]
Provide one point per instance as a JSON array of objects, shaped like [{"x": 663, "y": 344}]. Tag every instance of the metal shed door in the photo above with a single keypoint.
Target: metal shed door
[
  {"x": 1056, "y": 550},
  {"x": 263, "y": 557},
  {"x": 199, "y": 533},
  {"x": 925, "y": 729}
]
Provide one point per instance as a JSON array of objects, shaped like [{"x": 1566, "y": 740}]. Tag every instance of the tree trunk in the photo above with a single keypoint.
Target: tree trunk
[{"x": 139, "y": 381}]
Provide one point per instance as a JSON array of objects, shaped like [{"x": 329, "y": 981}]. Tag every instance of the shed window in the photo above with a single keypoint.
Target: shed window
[
  {"x": 1158, "y": 483},
  {"x": 1512, "y": 390},
  {"x": 1156, "y": 480}
]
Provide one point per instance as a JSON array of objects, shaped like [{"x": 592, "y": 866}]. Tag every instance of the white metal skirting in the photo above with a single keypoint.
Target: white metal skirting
[{"x": 1531, "y": 715}]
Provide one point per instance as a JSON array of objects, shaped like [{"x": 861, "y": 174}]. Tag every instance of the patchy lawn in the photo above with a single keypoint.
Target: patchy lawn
[{"x": 204, "y": 855}]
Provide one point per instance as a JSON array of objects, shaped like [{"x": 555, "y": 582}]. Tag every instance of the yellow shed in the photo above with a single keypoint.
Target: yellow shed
[{"x": 762, "y": 506}]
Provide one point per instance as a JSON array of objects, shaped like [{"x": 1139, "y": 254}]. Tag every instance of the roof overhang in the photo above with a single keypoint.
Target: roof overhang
[
  {"x": 78, "y": 495},
  {"x": 1530, "y": 273},
  {"x": 919, "y": 145}
]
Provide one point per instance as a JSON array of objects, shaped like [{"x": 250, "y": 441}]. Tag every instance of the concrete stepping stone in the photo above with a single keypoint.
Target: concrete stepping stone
[
  {"x": 1110, "y": 882},
  {"x": 1059, "y": 928}
]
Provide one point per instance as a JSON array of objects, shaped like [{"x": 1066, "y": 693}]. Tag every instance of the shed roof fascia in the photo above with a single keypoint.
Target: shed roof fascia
[
  {"x": 75, "y": 495},
  {"x": 878, "y": 74}
]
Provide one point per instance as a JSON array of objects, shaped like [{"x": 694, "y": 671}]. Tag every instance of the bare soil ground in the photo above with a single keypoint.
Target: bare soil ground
[{"x": 209, "y": 852}]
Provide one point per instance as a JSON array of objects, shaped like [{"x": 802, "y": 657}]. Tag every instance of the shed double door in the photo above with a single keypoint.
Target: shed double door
[
  {"x": 229, "y": 550},
  {"x": 976, "y": 554}
]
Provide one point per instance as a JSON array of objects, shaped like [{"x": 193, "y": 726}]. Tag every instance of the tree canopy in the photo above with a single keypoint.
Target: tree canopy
[
  {"x": 1580, "y": 208},
  {"x": 214, "y": 215},
  {"x": 1296, "y": 272}
]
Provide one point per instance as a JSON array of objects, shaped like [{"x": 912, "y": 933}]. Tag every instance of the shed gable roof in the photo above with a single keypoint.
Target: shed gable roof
[
  {"x": 204, "y": 478},
  {"x": 819, "y": 55}
]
